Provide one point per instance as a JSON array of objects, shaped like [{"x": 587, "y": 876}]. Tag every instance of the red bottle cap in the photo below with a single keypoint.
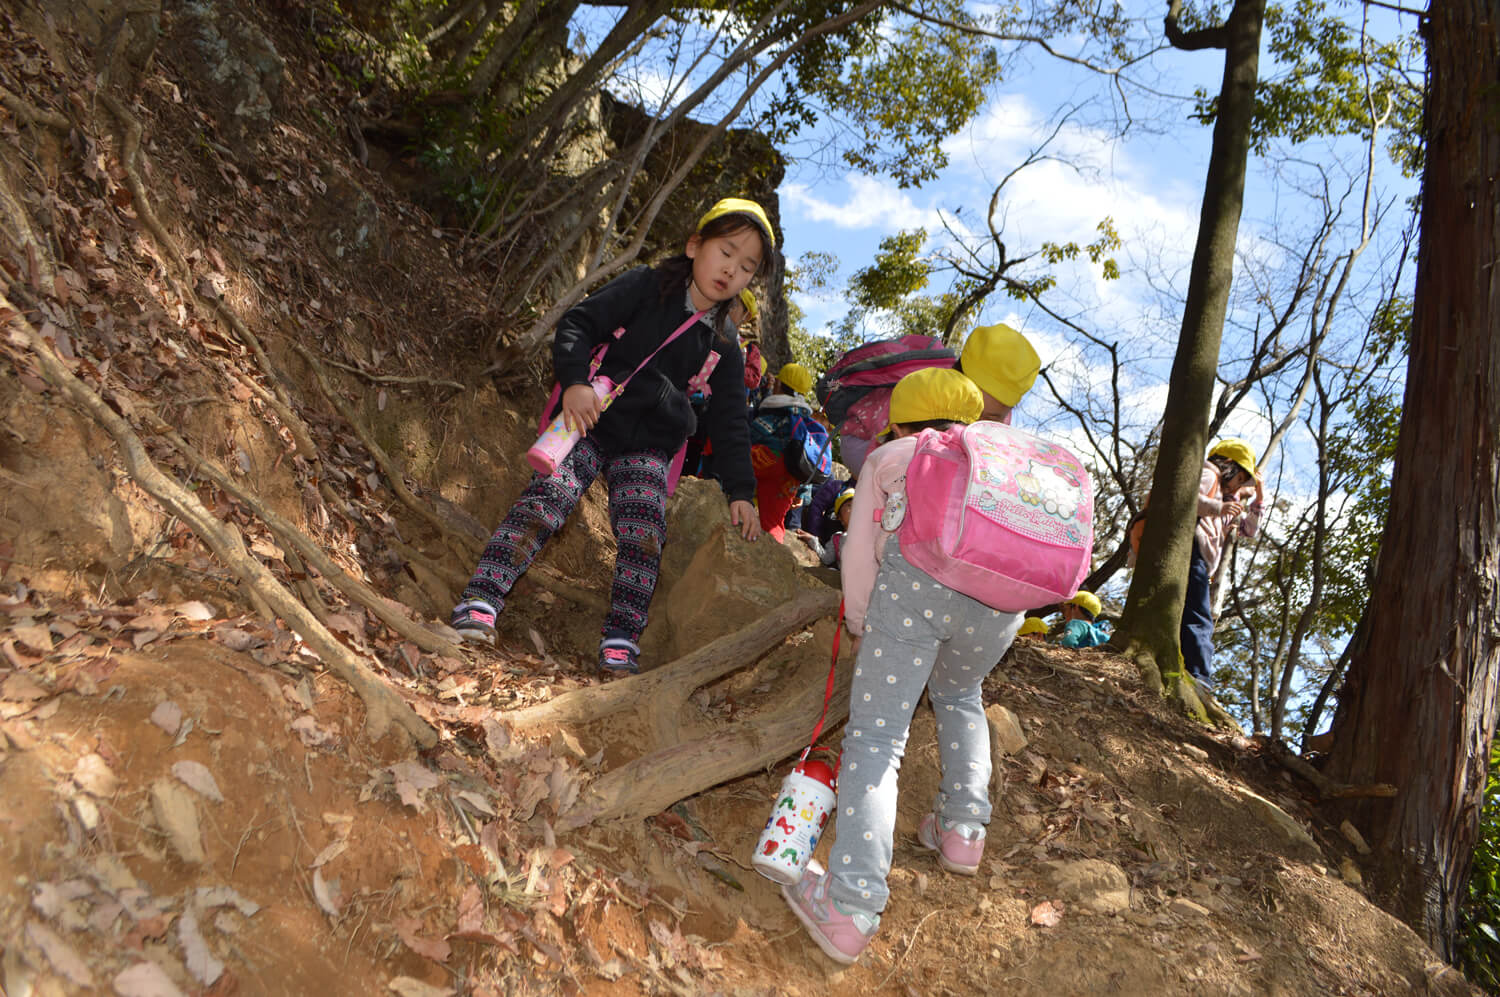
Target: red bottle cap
[{"x": 816, "y": 768}]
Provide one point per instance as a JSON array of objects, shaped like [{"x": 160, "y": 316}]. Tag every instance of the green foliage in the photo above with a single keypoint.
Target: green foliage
[
  {"x": 907, "y": 91},
  {"x": 1097, "y": 252},
  {"x": 898, "y": 272},
  {"x": 1319, "y": 85},
  {"x": 1479, "y": 934}
]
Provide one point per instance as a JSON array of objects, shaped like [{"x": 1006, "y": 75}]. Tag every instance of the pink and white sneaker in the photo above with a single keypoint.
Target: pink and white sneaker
[
  {"x": 842, "y": 932},
  {"x": 960, "y": 846}
]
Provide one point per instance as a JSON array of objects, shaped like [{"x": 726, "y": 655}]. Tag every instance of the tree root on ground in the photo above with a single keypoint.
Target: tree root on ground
[
  {"x": 461, "y": 543},
  {"x": 389, "y": 613},
  {"x": 670, "y": 767},
  {"x": 1327, "y": 788},
  {"x": 384, "y": 708}
]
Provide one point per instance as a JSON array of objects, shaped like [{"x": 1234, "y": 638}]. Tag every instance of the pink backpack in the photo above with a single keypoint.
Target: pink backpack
[
  {"x": 998, "y": 514},
  {"x": 856, "y": 391}
]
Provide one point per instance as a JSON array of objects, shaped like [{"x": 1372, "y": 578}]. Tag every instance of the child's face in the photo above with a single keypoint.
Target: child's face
[
  {"x": 724, "y": 265},
  {"x": 1071, "y": 612},
  {"x": 846, "y": 513}
]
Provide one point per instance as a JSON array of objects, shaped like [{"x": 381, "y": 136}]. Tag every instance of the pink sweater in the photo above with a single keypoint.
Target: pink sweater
[
  {"x": 1212, "y": 527},
  {"x": 884, "y": 472}
]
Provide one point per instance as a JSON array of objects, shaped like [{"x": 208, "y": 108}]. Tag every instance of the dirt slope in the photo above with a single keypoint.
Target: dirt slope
[{"x": 193, "y": 800}]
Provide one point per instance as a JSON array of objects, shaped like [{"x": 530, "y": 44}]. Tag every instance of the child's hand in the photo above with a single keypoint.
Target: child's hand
[
  {"x": 743, "y": 515},
  {"x": 581, "y": 407}
]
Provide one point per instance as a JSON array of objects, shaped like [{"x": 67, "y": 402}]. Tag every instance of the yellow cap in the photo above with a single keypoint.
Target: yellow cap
[
  {"x": 740, "y": 206},
  {"x": 1001, "y": 361},
  {"x": 1236, "y": 450},
  {"x": 935, "y": 393},
  {"x": 1087, "y": 601},
  {"x": 844, "y": 497},
  {"x": 796, "y": 377},
  {"x": 748, "y": 300},
  {"x": 1032, "y": 625}
]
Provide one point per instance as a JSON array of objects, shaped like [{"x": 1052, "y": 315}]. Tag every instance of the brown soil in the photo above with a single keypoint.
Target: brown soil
[{"x": 193, "y": 805}]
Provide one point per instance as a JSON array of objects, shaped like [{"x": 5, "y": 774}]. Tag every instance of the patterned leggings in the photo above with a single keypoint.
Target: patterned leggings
[{"x": 637, "y": 513}]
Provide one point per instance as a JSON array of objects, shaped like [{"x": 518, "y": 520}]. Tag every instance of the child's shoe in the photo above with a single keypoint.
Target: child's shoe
[
  {"x": 618, "y": 656},
  {"x": 959, "y": 846},
  {"x": 841, "y": 932},
  {"x": 474, "y": 619}
]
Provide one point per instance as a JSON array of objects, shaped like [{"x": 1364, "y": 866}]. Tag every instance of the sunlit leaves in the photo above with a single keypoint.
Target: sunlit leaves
[{"x": 1320, "y": 82}]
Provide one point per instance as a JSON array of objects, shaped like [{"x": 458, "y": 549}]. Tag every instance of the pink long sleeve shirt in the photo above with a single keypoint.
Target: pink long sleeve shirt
[
  {"x": 883, "y": 474},
  {"x": 1212, "y": 526}
]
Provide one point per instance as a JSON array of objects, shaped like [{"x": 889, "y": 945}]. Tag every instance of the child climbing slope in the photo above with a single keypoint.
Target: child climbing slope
[
  {"x": 911, "y": 633},
  {"x": 670, "y": 319}
]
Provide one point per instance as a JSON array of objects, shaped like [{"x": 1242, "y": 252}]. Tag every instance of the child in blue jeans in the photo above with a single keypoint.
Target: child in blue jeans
[{"x": 912, "y": 633}]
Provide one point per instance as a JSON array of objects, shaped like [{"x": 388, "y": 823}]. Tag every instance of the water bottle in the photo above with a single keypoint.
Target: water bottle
[
  {"x": 806, "y": 798},
  {"x": 557, "y": 439}
]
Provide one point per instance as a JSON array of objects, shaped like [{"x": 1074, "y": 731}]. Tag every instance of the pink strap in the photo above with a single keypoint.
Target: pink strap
[{"x": 598, "y": 358}]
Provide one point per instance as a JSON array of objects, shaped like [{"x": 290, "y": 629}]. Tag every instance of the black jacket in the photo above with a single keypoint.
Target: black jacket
[{"x": 654, "y": 412}]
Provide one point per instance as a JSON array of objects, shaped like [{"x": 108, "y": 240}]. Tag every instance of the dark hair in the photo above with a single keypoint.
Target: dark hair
[
  {"x": 677, "y": 271},
  {"x": 1227, "y": 468},
  {"x": 917, "y": 427},
  {"x": 1085, "y": 612}
]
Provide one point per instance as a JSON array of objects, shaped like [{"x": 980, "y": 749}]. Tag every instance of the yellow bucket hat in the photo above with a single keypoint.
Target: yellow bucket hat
[
  {"x": 1236, "y": 450},
  {"x": 796, "y": 377},
  {"x": 1032, "y": 625},
  {"x": 753, "y": 212},
  {"x": 1001, "y": 361},
  {"x": 1088, "y": 602},
  {"x": 842, "y": 500},
  {"x": 935, "y": 393}
]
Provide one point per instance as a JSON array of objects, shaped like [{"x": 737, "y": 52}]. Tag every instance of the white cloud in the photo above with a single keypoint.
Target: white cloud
[{"x": 868, "y": 203}]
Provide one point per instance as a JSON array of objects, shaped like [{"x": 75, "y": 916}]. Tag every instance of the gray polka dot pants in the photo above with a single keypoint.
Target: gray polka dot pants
[{"x": 918, "y": 634}]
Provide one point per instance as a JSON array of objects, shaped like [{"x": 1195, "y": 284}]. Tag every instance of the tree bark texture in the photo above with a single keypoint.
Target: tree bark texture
[
  {"x": 1418, "y": 708},
  {"x": 1153, "y": 608}
]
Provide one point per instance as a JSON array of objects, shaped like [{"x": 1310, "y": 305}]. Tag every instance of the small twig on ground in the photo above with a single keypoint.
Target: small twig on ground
[
  {"x": 909, "y": 943},
  {"x": 394, "y": 378}
]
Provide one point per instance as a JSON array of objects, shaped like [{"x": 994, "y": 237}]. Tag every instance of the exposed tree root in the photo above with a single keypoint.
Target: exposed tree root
[
  {"x": 662, "y": 691},
  {"x": 387, "y": 611},
  {"x": 1327, "y": 788},
  {"x": 395, "y": 378},
  {"x": 655, "y": 781},
  {"x": 672, "y": 768},
  {"x": 33, "y": 115},
  {"x": 384, "y": 709},
  {"x": 460, "y": 542}
]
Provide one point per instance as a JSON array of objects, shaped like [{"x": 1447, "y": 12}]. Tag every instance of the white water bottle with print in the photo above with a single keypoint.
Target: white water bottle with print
[
  {"x": 557, "y": 440},
  {"x": 802, "y": 807}
]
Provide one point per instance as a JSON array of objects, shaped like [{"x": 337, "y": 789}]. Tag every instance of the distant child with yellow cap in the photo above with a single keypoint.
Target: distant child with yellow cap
[
  {"x": 1230, "y": 497},
  {"x": 671, "y": 318},
  {"x": 911, "y": 634},
  {"x": 780, "y": 463},
  {"x": 829, "y": 551},
  {"x": 1033, "y": 627},
  {"x": 1079, "y": 628}
]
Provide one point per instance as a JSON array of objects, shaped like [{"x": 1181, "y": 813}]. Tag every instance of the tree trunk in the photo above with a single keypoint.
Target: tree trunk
[
  {"x": 1419, "y": 704},
  {"x": 1153, "y": 609}
]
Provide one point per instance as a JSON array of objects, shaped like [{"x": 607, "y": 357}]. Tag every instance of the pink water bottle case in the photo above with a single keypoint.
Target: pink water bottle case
[{"x": 557, "y": 440}]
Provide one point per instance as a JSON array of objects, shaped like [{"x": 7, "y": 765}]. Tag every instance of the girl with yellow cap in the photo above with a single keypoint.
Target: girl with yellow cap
[
  {"x": 911, "y": 634},
  {"x": 1230, "y": 497},
  {"x": 660, "y": 326}
]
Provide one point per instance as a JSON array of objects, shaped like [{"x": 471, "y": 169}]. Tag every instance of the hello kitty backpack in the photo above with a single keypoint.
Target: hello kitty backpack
[{"x": 998, "y": 514}]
